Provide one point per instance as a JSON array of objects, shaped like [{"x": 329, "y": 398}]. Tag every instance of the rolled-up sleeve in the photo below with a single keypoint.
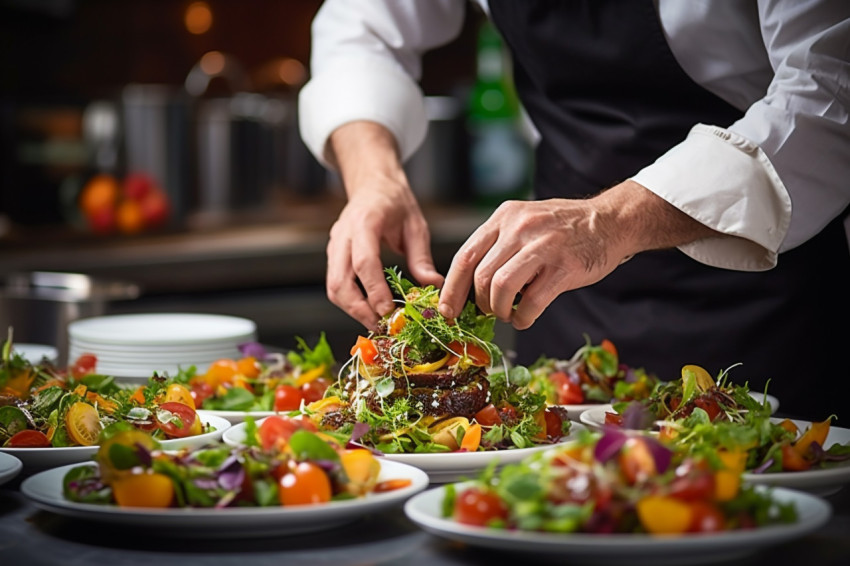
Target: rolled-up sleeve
[
  {"x": 780, "y": 174},
  {"x": 366, "y": 63}
]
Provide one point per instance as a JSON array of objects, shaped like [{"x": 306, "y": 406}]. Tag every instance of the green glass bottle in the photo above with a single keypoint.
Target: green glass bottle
[{"x": 500, "y": 155}]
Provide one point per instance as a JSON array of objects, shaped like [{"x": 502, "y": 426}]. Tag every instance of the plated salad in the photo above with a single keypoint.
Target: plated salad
[
  {"x": 594, "y": 374},
  {"x": 300, "y": 468},
  {"x": 425, "y": 384},
  {"x": 700, "y": 415},
  {"x": 42, "y": 406},
  {"x": 615, "y": 482},
  {"x": 257, "y": 381}
]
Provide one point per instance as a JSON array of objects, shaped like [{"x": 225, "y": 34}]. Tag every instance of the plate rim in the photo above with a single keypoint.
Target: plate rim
[
  {"x": 613, "y": 545},
  {"x": 214, "y": 520},
  {"x": 13, "y": 466}
]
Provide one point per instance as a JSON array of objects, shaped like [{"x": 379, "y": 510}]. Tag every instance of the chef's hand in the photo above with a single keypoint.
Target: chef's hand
[
  {"x": 381, "y": 209},
  {"x": 540, "y": 249}
]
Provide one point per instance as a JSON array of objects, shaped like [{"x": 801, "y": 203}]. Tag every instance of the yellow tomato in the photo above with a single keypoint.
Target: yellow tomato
[
  {"x": 177, "y": 393},
  {"x": 248, "y": 367},
  {"x": 664, "y": 515},
  {"x": 362, "y": 470},
  {"x": 221, "y": 371},
  {"x": 143, "y": 490},
  {"x": 83, "y": 424},
  {"x": 129, "y": 438}
]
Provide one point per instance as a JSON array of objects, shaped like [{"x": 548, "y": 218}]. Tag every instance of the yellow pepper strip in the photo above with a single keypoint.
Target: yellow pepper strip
[
  {"x": 664, "y": 515},
  {"x": 428, "y": 368},
  {"x": 789, "y": 425},
  {"x": 326, "y": 403},
  {"x": 817, "y": 433},
  {"x": 471, "y": 438},
  {"x": 310, "y": 375},
  {"x": 727, "y": 482}
]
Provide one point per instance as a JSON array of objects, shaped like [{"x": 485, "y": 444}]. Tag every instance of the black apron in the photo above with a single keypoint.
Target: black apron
[{"x": 607, "y": 96}]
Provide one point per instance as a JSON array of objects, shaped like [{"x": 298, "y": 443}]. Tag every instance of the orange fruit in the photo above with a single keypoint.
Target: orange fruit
[
  {"x": 129, "y": 217},
  {"x": 99, "y": 194}
]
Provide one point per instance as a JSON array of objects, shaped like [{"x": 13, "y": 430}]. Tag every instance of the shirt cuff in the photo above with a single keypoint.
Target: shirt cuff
[
  {"x": 361, "y": 89},
  {"x": 726, "y": 182}
]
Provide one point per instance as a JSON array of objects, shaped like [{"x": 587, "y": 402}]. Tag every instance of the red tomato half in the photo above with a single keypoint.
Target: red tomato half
[
  {"x": 278, "y": 428},
  {"x": 569, "y": 391},
  {"x": 189, "y": 422},
  {"x": 554, "y": 424},
  {"x": 706, "y": 518},
  {"x": 287, "y": 398},
  {"x": 488, "y": 416},
  {"x": 29, "y": 439},
  {"x": 476, "y": 507},
  {"x": 314, "y": 390},
  {"x": 84, "y": 365}
]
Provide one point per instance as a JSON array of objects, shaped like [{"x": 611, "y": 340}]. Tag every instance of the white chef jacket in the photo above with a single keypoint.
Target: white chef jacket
[{"x": 774, "y": 178}]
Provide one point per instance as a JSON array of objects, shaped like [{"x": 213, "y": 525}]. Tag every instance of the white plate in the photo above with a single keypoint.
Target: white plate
[
  {"x": 34, "y": 353},
  {"x": 440, "y": 467},
  {"x": 9, "y": 467},
  {"x": 575, "y": 411},
  {"x": 50, "y": 457},
  {"x": 236, "y": 417},
  {"x": 45, "y": 490},
  {"x": 161, "y": 329},
  {"x": 820, "y": 481},
  {"x": 425, "y": 510}
]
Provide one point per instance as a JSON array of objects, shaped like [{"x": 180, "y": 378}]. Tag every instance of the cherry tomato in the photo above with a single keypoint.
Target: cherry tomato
[
  {"x": 554, "y": 424},
  {"x": 287, "y": 398},
  {"x": 201, "y": 391},
  {"x": 692, "y": 483},
  {"x": 304, "y": 483},
  {"x": 83, "y": 424},
  {"x": 248, "y": 367},
  {"x": 477, "y": 507},
  {"x": 84, "y": 365},
  {"x": 190, "y": 424},
  {"x": 613, "y": 419},
  {"x": 366, "y": 349},
  {"x": 397, "y": 322},
  {"x": 278, "y": 428},
  {"x": 221, "y": 371},
  {"x": 29, "y": 439},
  {"x": 143, "y": 490},
  {"x": 314, "y": 390},
  {"x": 636, "y": 461},
  {"x": 706, "y": 517},
  {"x": 473, "y": 354},
  {"x": 178, "y": 393},
  {"x": 710, "y": 406},
  {"x": 488, "y": 416},
  {"x": 569, "y": 392}
]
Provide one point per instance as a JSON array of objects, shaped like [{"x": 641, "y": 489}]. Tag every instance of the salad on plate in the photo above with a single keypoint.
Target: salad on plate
[
  {"x": 616, "y": 482},
  {"x": 424, "y": 384}
]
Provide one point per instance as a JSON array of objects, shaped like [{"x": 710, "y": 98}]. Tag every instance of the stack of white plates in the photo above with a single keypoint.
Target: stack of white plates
[{"x": 132, "y": 347}]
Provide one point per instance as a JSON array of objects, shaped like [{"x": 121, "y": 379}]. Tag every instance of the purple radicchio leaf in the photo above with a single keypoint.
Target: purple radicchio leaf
[
  {"x": 637, "y": 417},
  {"x": 253, "y": 349},
  {"x": 630, "y": 376},
  {"x": 609, "y": 444},
  {"x": 428, "y": 313},
  {"x": 358, "y": 431},
  {"x": 144, "y": 455},
  {"x": 660, "y": 453},
  {"x": 231, "y": 474},
  {"x": 205, "y": 483},
  {"x": 761, "y": 469},
  {"x": 327, "y": 465}
]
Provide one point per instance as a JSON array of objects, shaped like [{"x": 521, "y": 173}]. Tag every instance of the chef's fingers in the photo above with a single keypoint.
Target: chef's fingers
[
  {"x": 420, "y": 263},
  {"x": 493, "y": 261},
  {"x": 369, "y": 269},
  {"x": 538, "y": 294},
  {"x": 509, "y": 280},
  {"x": 462, "y": 270},
  {"x": 341, "y": 283}
]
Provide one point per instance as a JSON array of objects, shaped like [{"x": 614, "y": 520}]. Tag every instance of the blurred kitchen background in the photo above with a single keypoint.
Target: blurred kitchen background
[{"x": 150, "y": 161}]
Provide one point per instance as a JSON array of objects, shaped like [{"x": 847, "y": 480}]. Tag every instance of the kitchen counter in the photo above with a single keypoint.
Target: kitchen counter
[
  {"x": 31, "y": 537},
  {"x": 283, "y": 246}
]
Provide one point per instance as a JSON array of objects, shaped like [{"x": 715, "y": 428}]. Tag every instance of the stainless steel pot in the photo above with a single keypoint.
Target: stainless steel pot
[{"x": 40, "y": 304}]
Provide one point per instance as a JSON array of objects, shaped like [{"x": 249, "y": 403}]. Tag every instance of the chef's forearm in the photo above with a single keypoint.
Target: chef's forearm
[{"x": 364, "y": 152}]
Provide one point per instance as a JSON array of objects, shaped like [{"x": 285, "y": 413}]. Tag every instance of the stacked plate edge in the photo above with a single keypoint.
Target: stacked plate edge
[{"x": 132, "y": 347}]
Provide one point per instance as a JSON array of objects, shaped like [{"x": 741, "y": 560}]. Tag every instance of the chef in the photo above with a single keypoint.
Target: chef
[{"x": 692, "y": 180}]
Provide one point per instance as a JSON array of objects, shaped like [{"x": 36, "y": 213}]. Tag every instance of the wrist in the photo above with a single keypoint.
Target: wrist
[
  {"x": 639, "y": 220},
  {"x": 366, "y": 155}
]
